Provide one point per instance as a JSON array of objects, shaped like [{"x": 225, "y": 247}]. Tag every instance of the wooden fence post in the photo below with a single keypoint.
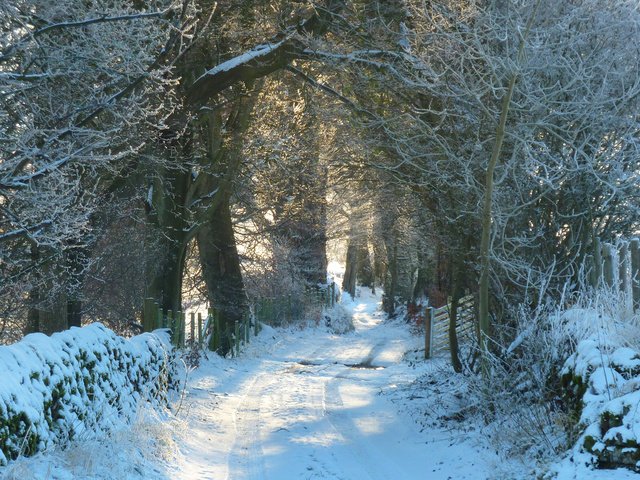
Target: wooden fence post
[
  {"x": 193, "y": 328},
  {"x": 608, "y": 267},
  {"x": 200, "y": 332},
  {"x": 597, "y": 260},
  {"x": 428, "y": 332},
  {"x": 334, "y": 295},
  {"x": 160, "y": 317},
  {"x": 170, "y": 326},
  {"x": 623, "y": 271},
  {"x": 182, "y": 329},
  {"x": 635, "y": 272}
]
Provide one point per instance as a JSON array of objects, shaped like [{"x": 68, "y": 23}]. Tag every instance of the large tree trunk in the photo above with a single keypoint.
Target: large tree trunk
[
  {"x": 221, "y": 271},
  {"x": 351, "y": 268},
  {"x": 33, "y": 314},
  {"x": 165, "y": 276},
  {"x": 313, "y": 243},
  {"x": 309, "y": 233},
  {"x": 74, "y": 312},
  {"x": 170, "y": 221},
  {"x": 391, "y": 279},
  {"x": 379, "y": 265},
  {"x": 76, "y": 259},
  {"x": 47, "y": 300},
  {"x": 365, "y": 266},
  {"x": 52, "y": 314}
]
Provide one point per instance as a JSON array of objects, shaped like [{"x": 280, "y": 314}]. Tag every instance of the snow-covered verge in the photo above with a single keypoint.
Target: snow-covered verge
[
  {"x": 79, "y": 383},
  {"x": 561, "y": 401}
]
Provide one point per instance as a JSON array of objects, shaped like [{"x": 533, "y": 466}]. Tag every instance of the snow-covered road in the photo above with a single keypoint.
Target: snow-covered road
[{"x": 314, "y": 407}]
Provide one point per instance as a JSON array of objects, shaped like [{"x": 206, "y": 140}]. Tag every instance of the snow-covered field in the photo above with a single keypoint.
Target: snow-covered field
[{"x": 304, "y": 403}]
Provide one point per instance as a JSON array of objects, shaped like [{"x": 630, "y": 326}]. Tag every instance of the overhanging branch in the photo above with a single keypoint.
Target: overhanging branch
[
  {"x": 263, "y": 59},
  {"x": 334, "y": 93}
]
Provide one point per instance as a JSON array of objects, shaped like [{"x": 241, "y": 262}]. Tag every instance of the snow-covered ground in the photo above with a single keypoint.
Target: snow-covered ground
[
  {"x": 309, "y": 404},
  {"x": 304, "y": 403}
]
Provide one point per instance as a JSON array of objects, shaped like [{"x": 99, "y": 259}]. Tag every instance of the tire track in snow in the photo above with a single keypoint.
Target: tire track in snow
[
  {"x": 246, "y": 458},
  {"x": 377, "y": 465}
]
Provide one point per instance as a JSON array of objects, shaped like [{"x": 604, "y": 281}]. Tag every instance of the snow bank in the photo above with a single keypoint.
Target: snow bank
[
  {"x": 80, "y": 382},
  {"x": 339, "y": 319}
]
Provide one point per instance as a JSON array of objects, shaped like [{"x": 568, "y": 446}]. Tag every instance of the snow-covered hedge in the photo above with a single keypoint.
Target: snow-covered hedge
[
  {"x": 603, "y": 382},
  {"x": 78, "y": 383}
]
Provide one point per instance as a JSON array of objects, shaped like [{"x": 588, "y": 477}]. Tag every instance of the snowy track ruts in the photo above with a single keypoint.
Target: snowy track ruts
[
  {"x": 246, "y": 456},
  {"x": 375, "y": 464},
  {"x": 308, "y": 407}
]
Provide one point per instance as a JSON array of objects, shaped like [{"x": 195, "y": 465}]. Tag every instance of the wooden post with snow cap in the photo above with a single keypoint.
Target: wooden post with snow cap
[
  {"x": 608, "y": 265},
  {"x": 169, "y": 325},
  {"x": 428, "y": 332},
  {"x": 634, "y": 246},
  {"x": 159, "y": 316},
  {"x": 623, "y": 271}
]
